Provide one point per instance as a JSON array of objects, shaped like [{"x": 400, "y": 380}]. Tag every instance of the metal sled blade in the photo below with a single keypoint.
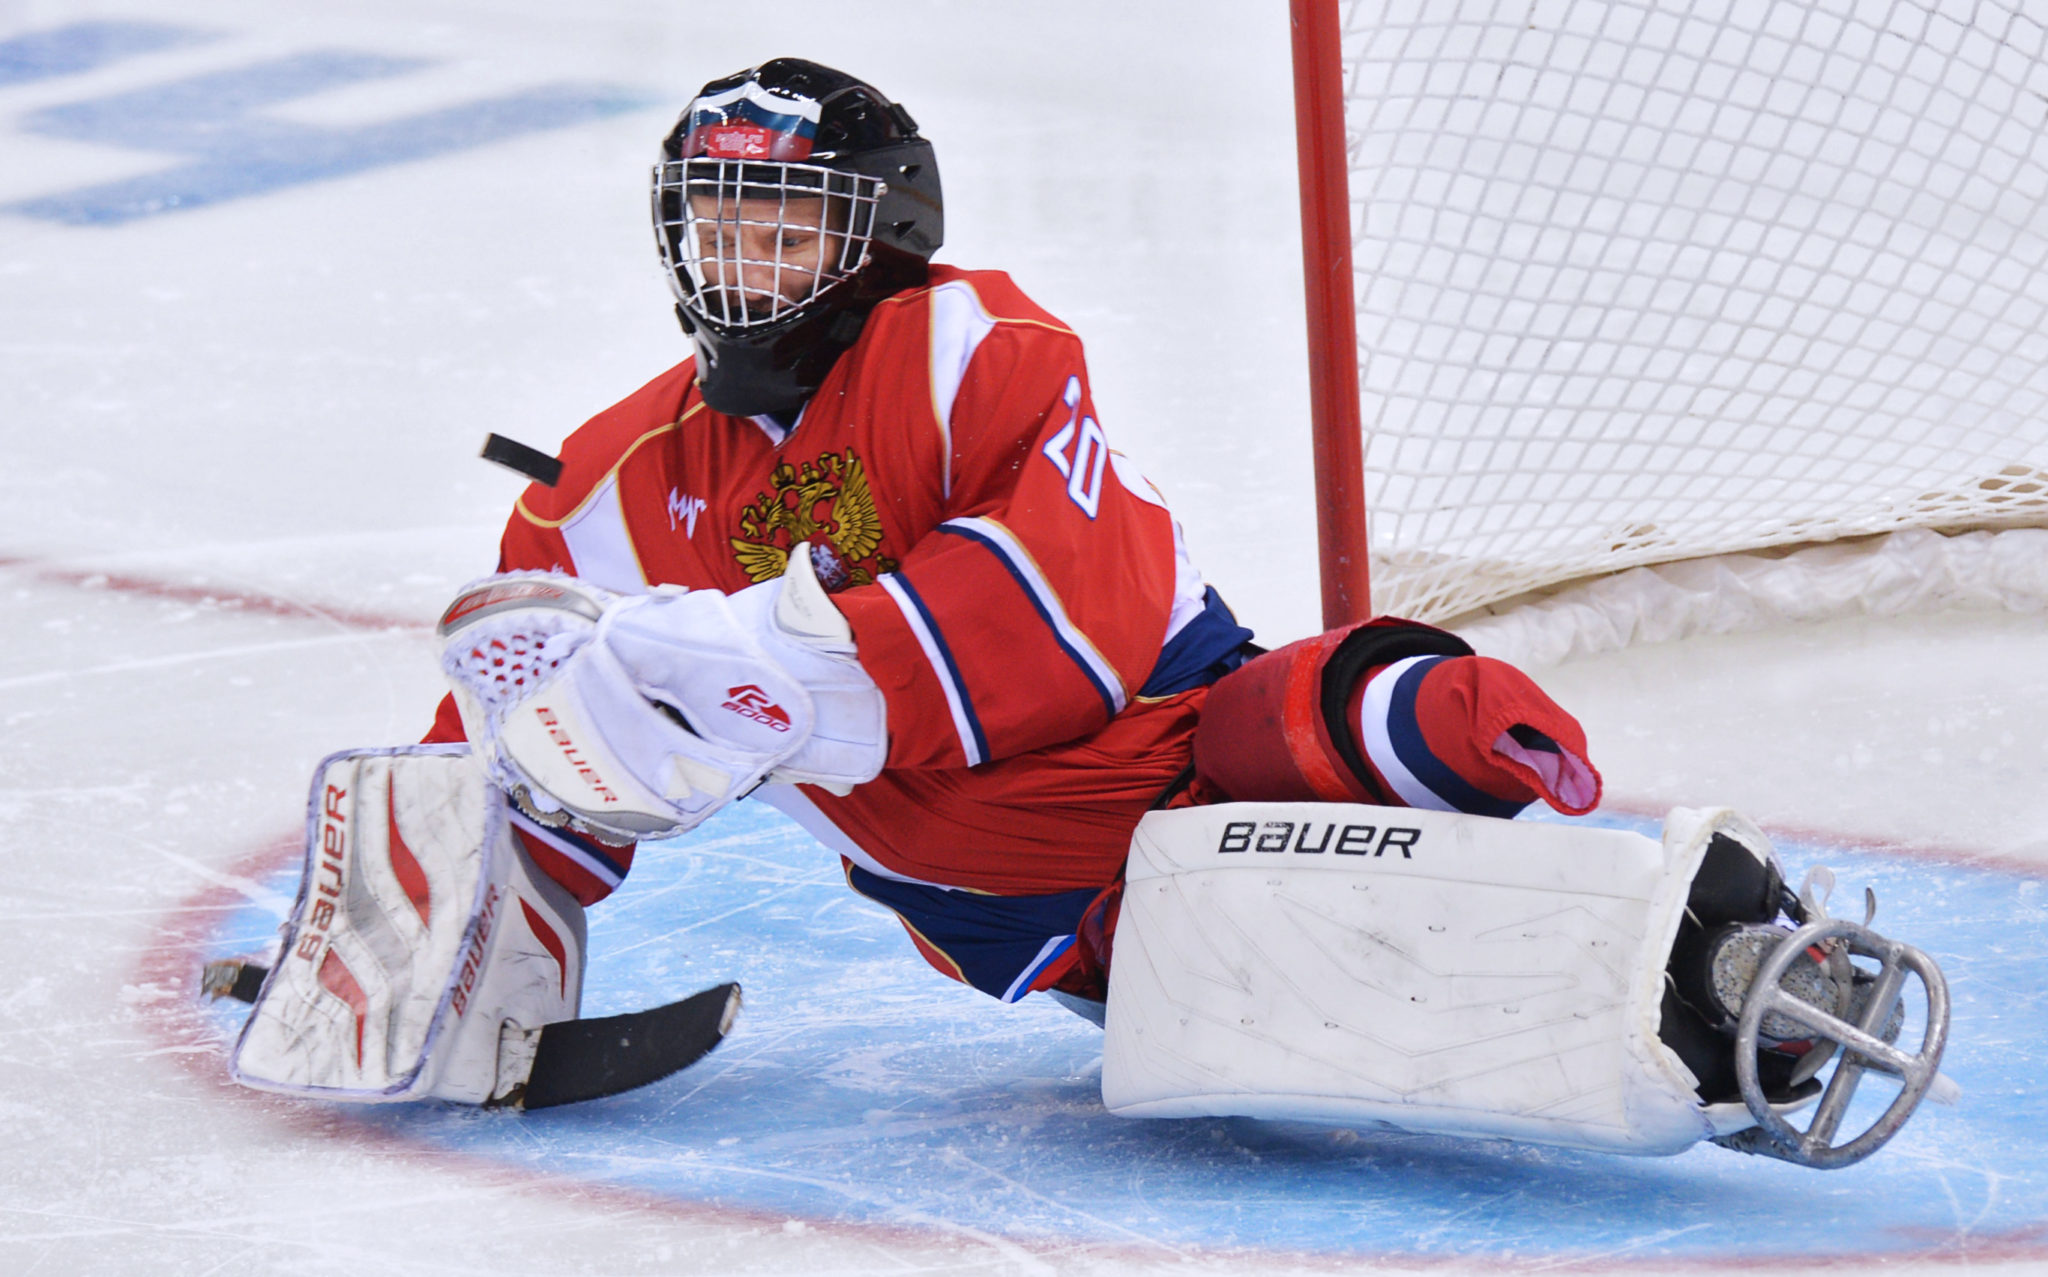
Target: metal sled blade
[
  {"x": 581, "y": 1060},
  {"x": 1864, "y": 1047}
]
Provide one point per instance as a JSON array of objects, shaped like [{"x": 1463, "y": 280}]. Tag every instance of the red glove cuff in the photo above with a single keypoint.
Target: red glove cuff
[{"x": 1471, "y": 734}]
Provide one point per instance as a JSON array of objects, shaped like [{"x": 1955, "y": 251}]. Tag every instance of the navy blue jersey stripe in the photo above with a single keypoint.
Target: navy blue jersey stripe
[
  {"x": 1038, "y": 605},
  {"x": 592, "y": 848},
  {"x": 994, "y": 941},
  {"x": 952, "y": 670},
  {"x": 566, "y": 842},
  {"x": 1414, "y": 752},
  {"x": 1209, "y": 646}
]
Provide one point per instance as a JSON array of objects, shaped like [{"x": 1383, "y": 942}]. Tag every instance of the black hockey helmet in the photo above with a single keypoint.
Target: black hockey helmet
[{"x": 790, "y": 198}]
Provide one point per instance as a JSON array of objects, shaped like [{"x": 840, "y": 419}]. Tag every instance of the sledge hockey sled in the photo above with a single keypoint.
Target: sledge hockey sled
[{"x": 1463, "y": 975}]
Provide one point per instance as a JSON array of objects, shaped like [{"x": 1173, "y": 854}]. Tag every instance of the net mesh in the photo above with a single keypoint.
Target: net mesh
[{"x": 1643, "y": 280}]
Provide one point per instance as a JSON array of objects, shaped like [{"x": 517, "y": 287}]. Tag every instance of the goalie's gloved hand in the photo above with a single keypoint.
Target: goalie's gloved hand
[
  {"x": 639, "y": 716},
  {"x": 1471, "y": 734}
]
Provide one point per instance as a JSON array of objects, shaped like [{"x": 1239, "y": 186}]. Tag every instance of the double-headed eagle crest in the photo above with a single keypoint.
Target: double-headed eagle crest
[{"x": 825, "y": 502}]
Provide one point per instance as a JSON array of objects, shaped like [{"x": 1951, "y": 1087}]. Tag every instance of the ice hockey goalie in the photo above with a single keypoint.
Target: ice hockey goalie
[{"x": 868, "y": 555}]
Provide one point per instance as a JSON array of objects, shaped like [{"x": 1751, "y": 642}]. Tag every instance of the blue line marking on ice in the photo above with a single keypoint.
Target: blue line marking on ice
[
  {"x": 85, "y": 46},
  {"x": 859, "y": 1087},
  {"x": 213, "y": 123}
]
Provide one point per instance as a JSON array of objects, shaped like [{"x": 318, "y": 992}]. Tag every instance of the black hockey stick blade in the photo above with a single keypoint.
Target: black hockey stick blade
[
  {"x": 581, "y": 1060},
  {"x": 575, "y": 1060},
  {"x": 531, "y": 462}
]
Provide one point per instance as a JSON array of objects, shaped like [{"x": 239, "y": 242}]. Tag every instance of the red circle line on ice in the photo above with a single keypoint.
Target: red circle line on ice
[
  {"x": 183, "y": 1031},
  {"x": 169, "y": 966}
]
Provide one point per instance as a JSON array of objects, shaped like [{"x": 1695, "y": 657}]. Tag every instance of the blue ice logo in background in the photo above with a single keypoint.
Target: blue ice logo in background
[{"x": 214, "y": 121}]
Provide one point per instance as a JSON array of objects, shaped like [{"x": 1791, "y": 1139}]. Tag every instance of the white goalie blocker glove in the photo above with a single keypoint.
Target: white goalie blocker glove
[{"x": 638, "y": 716}]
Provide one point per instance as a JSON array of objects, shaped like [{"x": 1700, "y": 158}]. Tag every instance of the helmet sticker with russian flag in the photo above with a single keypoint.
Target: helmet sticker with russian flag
[{"x": 751, "y": 123}]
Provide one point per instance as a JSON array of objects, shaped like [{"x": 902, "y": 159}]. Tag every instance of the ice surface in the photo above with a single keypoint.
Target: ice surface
[
  {"x": 240, "y": 480},
  {"x": 856, "y": 1091}
]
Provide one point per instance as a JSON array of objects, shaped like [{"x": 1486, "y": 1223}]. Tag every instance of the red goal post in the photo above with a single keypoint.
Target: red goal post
[{"x": 1332, "y": 324}]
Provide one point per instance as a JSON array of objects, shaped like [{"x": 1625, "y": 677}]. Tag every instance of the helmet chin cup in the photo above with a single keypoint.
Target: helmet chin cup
[
  {"x": 1863, "y": 1045},
  {"x": 772, "y": 372}
]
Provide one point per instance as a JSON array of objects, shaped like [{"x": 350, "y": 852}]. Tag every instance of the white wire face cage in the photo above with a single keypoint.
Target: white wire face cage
[{"x": 747, "y": 243}]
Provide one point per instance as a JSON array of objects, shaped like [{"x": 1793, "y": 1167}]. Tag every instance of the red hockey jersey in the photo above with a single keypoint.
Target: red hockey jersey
[{"x": 1015, "y": 588}]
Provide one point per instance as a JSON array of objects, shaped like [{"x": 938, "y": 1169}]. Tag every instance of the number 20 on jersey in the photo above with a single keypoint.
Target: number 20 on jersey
[{"x": 1090, "y": 449}]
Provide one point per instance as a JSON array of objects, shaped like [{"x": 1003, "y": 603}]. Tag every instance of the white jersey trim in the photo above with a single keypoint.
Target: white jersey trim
[
  {"x": 959, "y": 323},
  {"x": 599, "y": 544},
  {"x": 567, "y": 850},
  {"x": 942, "y": 668},
  {"x": 777, "y": 432},
  {"x": 1378, "y": 703},
  {"x": 1134, "y": 480},
  {"x": 1190, "y": 591},
  {"x": 1025, "y": 569},
  {"x": 1048, "y": 951}
]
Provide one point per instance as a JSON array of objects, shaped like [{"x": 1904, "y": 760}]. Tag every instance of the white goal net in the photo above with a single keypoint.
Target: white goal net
[{"x": 1645, "y": 280}]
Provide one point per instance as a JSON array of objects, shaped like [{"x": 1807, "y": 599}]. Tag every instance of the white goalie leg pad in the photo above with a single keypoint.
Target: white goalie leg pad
[
  {"x": 424, "y": 952},
  {"x": 1431, "y": 971}
]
